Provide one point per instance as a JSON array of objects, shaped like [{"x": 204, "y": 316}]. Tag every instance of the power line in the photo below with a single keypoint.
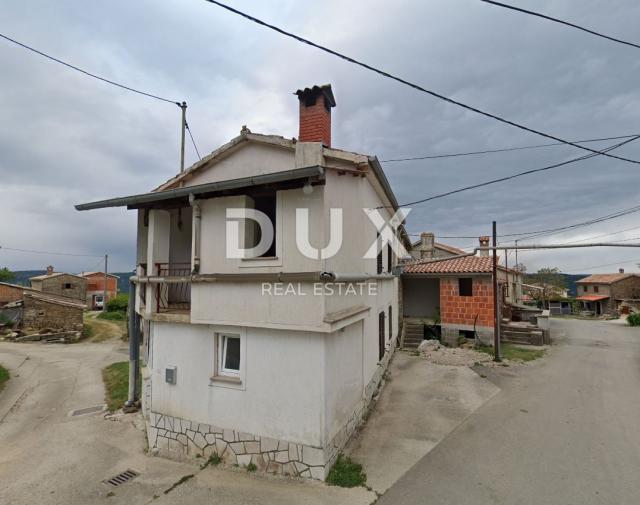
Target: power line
[
  {"x": 608, "y": 264},
  {"x": 3, "y": 248},
  {"x": 408, "y": 83},
  {"x": 500, "y": 150},
  {"x": 602, "y": 235},
  {"x": 108, "y": 81},
  {"x": 192, "y": 141},
  {"x": 509, "y": 177},
  {"x": 556, "y": 20}
]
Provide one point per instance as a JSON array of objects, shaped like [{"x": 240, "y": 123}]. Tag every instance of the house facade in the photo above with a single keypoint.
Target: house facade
[
  {"x": 272, "y": 357},
  {"x": 95, "y": 288},
  {"x": 608, "y": 294},
  {"x": 60, "y": 284},
  {"x": 456, "y": 294}
]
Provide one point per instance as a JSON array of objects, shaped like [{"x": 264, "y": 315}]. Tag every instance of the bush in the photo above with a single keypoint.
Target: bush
[
  {"x": 4, "y": 319},
  {"x": 634, "y": 319},
  {"x": 346, "y": 473},
  {"x": 119, "y": 303},
  {"x": 113, "y": 316}
]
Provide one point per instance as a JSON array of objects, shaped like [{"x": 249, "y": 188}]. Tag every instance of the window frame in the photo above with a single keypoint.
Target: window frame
[{"x": 223, "y": 377}]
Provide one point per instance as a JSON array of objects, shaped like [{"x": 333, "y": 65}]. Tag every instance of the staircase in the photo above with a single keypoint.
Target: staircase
[
  {"x": 412, "y": 335},
  {"x": 521, "y": 333}
]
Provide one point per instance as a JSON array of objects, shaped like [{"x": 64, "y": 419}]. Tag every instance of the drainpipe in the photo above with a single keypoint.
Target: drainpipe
[
  {"x": 134, "y": 351},
  {"x": 197, "y": 218}
]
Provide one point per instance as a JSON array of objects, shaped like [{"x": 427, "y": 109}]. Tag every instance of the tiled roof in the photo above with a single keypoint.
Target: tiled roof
[
  {"x": 592, "y": 298},
  {"x": 449, "y": 248},
  {"x": 604, "y": 278},
  {"x": 466, "y": 265}
]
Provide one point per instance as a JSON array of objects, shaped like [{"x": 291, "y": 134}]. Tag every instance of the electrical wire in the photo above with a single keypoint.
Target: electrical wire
[
  {"x": 500, "y": 150},
  {"x": 78, "y": 69},
  {"x": 509, "y": 177},
  {"x": 192, "y": 141},
  {"x": 566, "y": 23},
  {"x": 602, "y": 235},
  {"x": 3, "y": 248},
  {"x": 607, "y": 265},
  {"x": 410, "y": 84}
]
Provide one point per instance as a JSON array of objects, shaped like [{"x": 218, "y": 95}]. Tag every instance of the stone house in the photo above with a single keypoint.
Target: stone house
[
  {"x": 95, "y": 288},
  {"x": 609, "y": 293},
  {"x": 456, "y": 295},
  {"x": 269, "y": 357},
  {"x": 60, "y": 284},
  {"x": 37, "y": 310},
  {"x": 427, "y": 248}
]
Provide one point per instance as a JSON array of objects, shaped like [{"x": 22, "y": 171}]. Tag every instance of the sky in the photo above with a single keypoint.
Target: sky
[{"x": 67, "y": 139}]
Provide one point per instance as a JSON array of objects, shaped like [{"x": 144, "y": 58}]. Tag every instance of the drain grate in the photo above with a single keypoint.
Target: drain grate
[
  {"x": 86, "y": 410},
  {"x": 122, "y": 478}
]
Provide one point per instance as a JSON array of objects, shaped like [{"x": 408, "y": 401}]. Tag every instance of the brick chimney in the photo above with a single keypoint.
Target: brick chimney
[
  {"x": 315, "y": 114},
  {"x": 484, "y": 242},
  {"x": 50, "y": 270}
]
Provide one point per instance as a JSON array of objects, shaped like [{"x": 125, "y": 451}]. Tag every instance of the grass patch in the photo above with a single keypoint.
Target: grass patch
[
  {"x": 514, "y": 353},
  {"x": 251, "y": 467},
  {"x": 116, "y": 383},
  {"x": 112, "y": 316},
  {"x": 346, "y": 473},
  {"x": 4, "y": 376}
]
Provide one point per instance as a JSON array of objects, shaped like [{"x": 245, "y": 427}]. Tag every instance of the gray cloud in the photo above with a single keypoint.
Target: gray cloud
[{"x": 65, "y": 139}]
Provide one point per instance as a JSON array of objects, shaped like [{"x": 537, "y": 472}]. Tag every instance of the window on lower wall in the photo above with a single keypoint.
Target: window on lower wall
[
  {"x": 228, "y": 362},
  {"x": 465, "y": 286},
  {"x": 390, "y": 322},
  {"x": 595, "y": 289}
]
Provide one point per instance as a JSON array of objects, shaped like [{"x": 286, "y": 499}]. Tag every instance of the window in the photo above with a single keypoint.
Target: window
[
  {"x": 381, "y": 339},
  {"x": 389, "y": 258},
  {"x": 595, "y": 289},
  {"x": 379, "y": 257},
  {"x": 68, "y": 285},
  {"x": 265, "y": 203},
  {"x": 228, "y": 355},
  {"x": 465, "y": 286},
  {"x": 390, "y": 322},
  {"x": 586, "y": 288}
]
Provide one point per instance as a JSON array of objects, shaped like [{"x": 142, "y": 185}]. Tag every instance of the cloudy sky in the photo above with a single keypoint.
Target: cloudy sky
[{"x": 67, "y": 139}]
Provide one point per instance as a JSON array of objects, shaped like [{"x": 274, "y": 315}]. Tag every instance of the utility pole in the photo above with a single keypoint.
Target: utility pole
[
  {"x": 184, "y": 127},
  {"x": 104, "y": 296},
  {"x": 496, "y": 299}
]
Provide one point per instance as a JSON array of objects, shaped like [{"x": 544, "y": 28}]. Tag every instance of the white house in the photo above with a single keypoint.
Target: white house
[{"x": 271, "y": 359}]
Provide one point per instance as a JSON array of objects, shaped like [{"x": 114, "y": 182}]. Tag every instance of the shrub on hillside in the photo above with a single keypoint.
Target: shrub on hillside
[
  {"x": 113, "y": 316},
  {"x": 634, "y": 319},
  {"x": 119, "y": 303}
]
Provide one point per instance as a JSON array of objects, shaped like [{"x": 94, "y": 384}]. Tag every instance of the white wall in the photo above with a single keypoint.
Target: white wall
[
  {"x": 282, "y": 391},
  {"x": 248, "y": 159}
]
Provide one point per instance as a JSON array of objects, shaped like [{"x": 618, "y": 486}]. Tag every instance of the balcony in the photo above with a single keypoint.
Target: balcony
[{"x": 173, "y": 296}]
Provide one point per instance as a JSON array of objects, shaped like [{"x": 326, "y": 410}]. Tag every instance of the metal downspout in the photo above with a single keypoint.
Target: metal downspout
[{"x": 134, "y": 350}]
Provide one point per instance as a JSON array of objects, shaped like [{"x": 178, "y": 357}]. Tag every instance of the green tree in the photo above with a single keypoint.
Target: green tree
[{"x": 6, "y": 275}]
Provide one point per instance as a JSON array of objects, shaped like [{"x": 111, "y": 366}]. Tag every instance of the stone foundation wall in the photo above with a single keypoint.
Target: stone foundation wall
[{"x": 451, "y": 333}]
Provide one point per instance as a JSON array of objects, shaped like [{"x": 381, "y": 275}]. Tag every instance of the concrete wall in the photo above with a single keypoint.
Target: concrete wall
[
  {"x": 421, "y": 296},
  {"x": 281, "y": 393}
]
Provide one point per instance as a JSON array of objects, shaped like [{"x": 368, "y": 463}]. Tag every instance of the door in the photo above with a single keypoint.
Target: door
[{"x": 381, "y": 327}]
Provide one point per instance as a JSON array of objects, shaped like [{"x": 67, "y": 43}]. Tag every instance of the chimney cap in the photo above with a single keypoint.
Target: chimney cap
[
  {"x": 309, "y": 95},
  {"x": 621, "y": 270}
]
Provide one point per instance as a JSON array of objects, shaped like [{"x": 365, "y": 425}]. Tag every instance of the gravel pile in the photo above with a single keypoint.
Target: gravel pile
[{"x": 433, "y": 351}]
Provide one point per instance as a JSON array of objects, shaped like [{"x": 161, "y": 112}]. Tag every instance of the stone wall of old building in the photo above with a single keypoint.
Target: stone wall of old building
[
  {"x": 67, "y": 285},
  {"x": 39, "y": 313},
  {"x": 626, "y": 289}
]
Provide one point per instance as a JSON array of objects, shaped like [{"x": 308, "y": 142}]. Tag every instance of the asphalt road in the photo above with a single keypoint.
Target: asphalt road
[{"x": 565, "y": 430}]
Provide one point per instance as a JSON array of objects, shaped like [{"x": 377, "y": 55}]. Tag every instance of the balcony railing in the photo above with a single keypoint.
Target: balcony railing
[{"x": 175, "y": 296}]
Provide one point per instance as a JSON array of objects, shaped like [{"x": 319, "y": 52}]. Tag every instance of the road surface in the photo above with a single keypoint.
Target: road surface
[{"x": 565, "y": 431}]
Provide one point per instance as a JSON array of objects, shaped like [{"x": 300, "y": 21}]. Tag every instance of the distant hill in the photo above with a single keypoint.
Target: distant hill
[{"x": 23, "y": 276}]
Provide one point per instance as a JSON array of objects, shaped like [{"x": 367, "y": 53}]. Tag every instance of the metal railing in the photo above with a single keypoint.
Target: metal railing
[{"x": 176, "y": 296}]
